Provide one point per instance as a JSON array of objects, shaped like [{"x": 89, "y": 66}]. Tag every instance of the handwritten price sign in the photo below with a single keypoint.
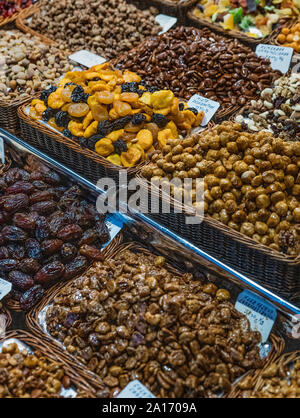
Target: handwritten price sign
[{"x": 279, "y": 56}]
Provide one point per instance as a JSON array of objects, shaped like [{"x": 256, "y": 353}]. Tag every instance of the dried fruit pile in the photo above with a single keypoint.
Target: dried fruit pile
[
  {"x": 251, "y": 181},
  {"x": 27, "y": 65},
  {"x": 111, "y": 112},
  {"x": 106, "y": 27},
  {"x": 132, "y": 318},
  {"x": 25, "y": 375},
  {"x": 49, "y": 232},
  {"x": 290, "y": 37}
]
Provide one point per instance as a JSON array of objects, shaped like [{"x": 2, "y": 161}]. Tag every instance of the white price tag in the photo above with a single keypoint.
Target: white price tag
[
  {"x": 87, "y": 58},
  {"x": 2, "y": 150},
  {"x": 166, "y": 22},
  {"x": 5, "y": 288},
  {"x": 209, "y": 107},
  {"x": 135, "y": 389},
  {"x": 279, "y": 56},
  {"x": 261, "y": 314}
]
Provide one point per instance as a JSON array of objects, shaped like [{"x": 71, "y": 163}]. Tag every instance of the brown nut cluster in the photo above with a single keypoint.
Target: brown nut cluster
[
  {"x": 106, "y": 27},
  {"x": 132, "y": 317},
  {"x": 28, "y": 65},
  {"x": 48, "y": 230},
  {"x": 25, "y": 375},
  {"x": 197, "y": 61},
  {"x": 277, "y": 381},
  {"x": 251, "y": 181}
]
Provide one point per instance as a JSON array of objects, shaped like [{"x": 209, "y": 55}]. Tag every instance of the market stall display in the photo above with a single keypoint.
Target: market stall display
[
  {"x": 197, "y": 61},
  {"x": 50, "y": 231},
  {"x": 106, "y": 27},
  {"x": 27, "y": 67},
  {"x": 277, "y": 110},
  {"x": 253, "y": 22}
]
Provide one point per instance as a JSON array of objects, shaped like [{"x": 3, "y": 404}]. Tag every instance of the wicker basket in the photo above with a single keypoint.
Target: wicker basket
[
  {"x": 79, "y": 378},
  {"x": 13, "y": 18},
  {"x": 8, "y": 319},
  {"x": 285, "y": 360},
  {"x": 9, "y": 114},
  {"x": 274, "y": 270},
  {"x": 108, "y": 251},
  {"x": 216, "y": 27},
  {"x": 32, "y": 318}
]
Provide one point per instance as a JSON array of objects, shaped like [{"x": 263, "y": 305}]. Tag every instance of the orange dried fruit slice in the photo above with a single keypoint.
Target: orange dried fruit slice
[
  {"x": 78, "y": 110},
  {"x": 67, "y": 92},
  {"x": 99, "y": 112},
  {"x": 104, "y": 147},
  {"x": 129, "y": 97},
  {"x": 105, "y": 97},
  {"x": 122, "y": 109},
  {"x": 145, "y": 138}
]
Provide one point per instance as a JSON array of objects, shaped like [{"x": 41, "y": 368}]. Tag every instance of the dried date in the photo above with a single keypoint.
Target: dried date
[
  {"x": 40, "y": 185},
  {"x": 33, "y": 249},
  {"x": 76, "y": 267},
  {"x": 29, "y": 266},
  {"x": 4, "y": 253},
  {"x": 8, "y": 264},
  {"x": 51, "y": 177},
  {"x": 20, "y": 187},
  {"x": 42, "y": 230},
  {"x": 49, "y": 273},
  {"x": 41, "y": 196},
  {"x": 16, "y": 174},
  {"x": 89, "y": 236},
  {"x": 16, "y": 251},
  {"x": 20, "y": 280},
  {"x": 31, "y": 297},
  {"x": 103, "y": 232},
  {"x": 91, "y": 252},
  {"x": 68, "y": 252},
  {"x": 45, "y": 207},
  {"x": 70, "y": 233},
  {"x": 4, "y": 216},
  {"x": 25, "y": 221},
  {"x": 37, "y": 175},
  {"x": 13, "y": 203},
  {"x": 3, "y": 185},
  {"x": 14, "y": 233},
  {"x": 57, "y": 222},
  {"x": 51, "y": 246}
]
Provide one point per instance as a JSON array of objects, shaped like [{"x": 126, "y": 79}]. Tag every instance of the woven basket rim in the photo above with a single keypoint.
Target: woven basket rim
[
  {"x": 233, "y": 33},
  {"x": 78, "y": 377},
  {"x": 11, "y": 19},
  {"x": 8, "y": 318},
  {"x": 237, "y": 236},
  {"x": 278, "y": 346},
  {"x": 32, "y": 321}
]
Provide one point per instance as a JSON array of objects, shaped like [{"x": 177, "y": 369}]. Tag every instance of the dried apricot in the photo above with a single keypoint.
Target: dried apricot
[
  {"x": 66, "y": 93},
  {"x": 99, "y": 112},
  {"x": 129, "y": 97},
  {"x": 33, "y": 113},
  {"x": 54, "y": 100},
  {"x": 145, "y": 138},
  {"x": 78, "y": 110},
  {"x": 132, "y": 156},
  {"x": 130, "y": 77},
  {"x": 162, "y": 99},
  {"x": 105, "y": 97},
  {"x": 163, "y": 136},
  {"x": 122, "y": 109},
  {"x": 115, "y": 159},
  {"x": 171, "y": 125},
  {"x": 75, "y": 128},
  {"x": 87, "y": 120},
  {"x": 91, "y": 129},
  {"x": 115, "y": 135},
  {"x": 153, "y": 128},
  {"x": 104, "y": 147}
]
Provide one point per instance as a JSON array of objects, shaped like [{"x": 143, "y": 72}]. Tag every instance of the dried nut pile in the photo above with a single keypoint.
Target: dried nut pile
[
  {"x": 49, "y": 232},
  {"x": 277, "y": 110},
  {"x": 131, "y": 317},
  {"x": 112, "y": 113},
  {"x": 25, "y": 375},
  {"x": 27, "y": 65},
  {"x": 251, "y": 181},
  {"x": 106, "y": 27},
  {"x": 189, "y": 61},
  {"x": 278, "y": 381}
]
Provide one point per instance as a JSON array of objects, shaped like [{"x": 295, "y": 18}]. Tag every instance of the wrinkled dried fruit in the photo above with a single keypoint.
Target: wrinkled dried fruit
[
  {"x": 16, "y": 174},
  {"x": 89, "y": 236},
  {"x": 4, "y": 253},
  {"x": 42, "y": 231},
  {"x": 31, "y": 297},
  {"x": 51, "y": 246},
  {"x": 49, "y": 273},
  {"x": 14, "y": 203},
  {"x": 76, "y": 267},
  {"x": 20, "y": 280},
  {"x": 33, "y": 249},
  {"x": 91, "y": 252},
  {"x": 41, "y": 196},
  {"x": 20, "y": 187},
  {"x": 70, "y": 233},
  {"x": 16, "y": 250},
  {"x": 44, "y": 208},
  {"x": 103, "y": 232},
  {"x": 13, "y": 233},
  {"x": 29, "y": 266},
  {"x": 52, "y": 178},
  {"x": 25, "y": 221},
  {"x": 68, "y": 252},
  {"x": 8, "y": 264}
]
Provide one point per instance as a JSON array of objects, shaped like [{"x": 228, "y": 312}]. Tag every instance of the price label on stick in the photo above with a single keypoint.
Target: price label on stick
[
  {"x": 135, "y": 389},
  {"x": 87, "y": 58},
  {"x": 166, "y": 22},
  {"x": 5, "y": 288},
  {"x": 261, "y": 314},
  {"x": 279, "y": 56},
  {"x": 209, "y": 107}
]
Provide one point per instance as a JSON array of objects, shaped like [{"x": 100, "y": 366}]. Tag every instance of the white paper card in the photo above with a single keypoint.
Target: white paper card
[
  {"x": 166, "y": 22},
  {"x": 87, "y": 58},
  {"x": 2, "y": 150},
  {"x": 135, "y": 389},
  {"x": 261, "y": 314},
  {"x": 5, "y": 288},
  {"x": 209, "y": 107},
  {"x": 279, "y": 56}
]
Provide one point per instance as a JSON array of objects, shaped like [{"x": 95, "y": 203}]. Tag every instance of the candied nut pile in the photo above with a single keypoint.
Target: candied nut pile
[
  {"x": 251, "y": 181},
  {"x": 110, "y": 111},
  {"x": 106, "y": 27},
  {"x": 25, "y": 375},
  {"x": 49, "y": 232},
  {"x": 277, "y": 110},
  {"x": 197, "y": 61},
  {"x": 132, "y": 318},
  {"x": 27, "y": 65}
]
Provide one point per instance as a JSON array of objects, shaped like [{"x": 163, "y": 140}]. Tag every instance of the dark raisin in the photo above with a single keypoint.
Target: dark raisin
[
  {"x": 8, "y": 264},
  {"x": 25, "y": 221},
  {"x": 91, "y": 252},
  {"x": 181, "y": 106},
  {"x": 83, "y": 142},
  {"x": 138, "y": 119},
  {"x": 160, "y": 120},
  {"x": 104, "y": 128},
  {"x": 121, "y": 123},
  {"x": 120, "y": 146},
  {"x": 52, "y": 177},
  {"x": 51, "y": 246},
  {"x": 45, "y": 94},
  {"x": 153, "y": 89},
  {"x": 16, "y": 251},
  {"x": 77, "y": 94},
  {"x": 13, "y": 203},
  {"x": 42, "y": 231},
  {"x": 16, "y": 174},
  {"x": 89, "y": 236},
  {"x": 4, "y": 253},
  {"x": 62, "y": 118},
  {"x": 29, "y": 266},
  {"x": 31, "y": 297},
  {"x": 20, "y": 187},
  {"x": 45, "y": 207},
  {"x": 130, "y": 87},
  {"x": 85, "y": 97},
  {"x": 70, "y": 233},
  {"x": 48, "y": 114},
  {"x": 92, "y": 140},
  {"x": 102, "y": 231},
  {"x": 67, "y": 133},
  {"x": 33, "y": 249}
]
